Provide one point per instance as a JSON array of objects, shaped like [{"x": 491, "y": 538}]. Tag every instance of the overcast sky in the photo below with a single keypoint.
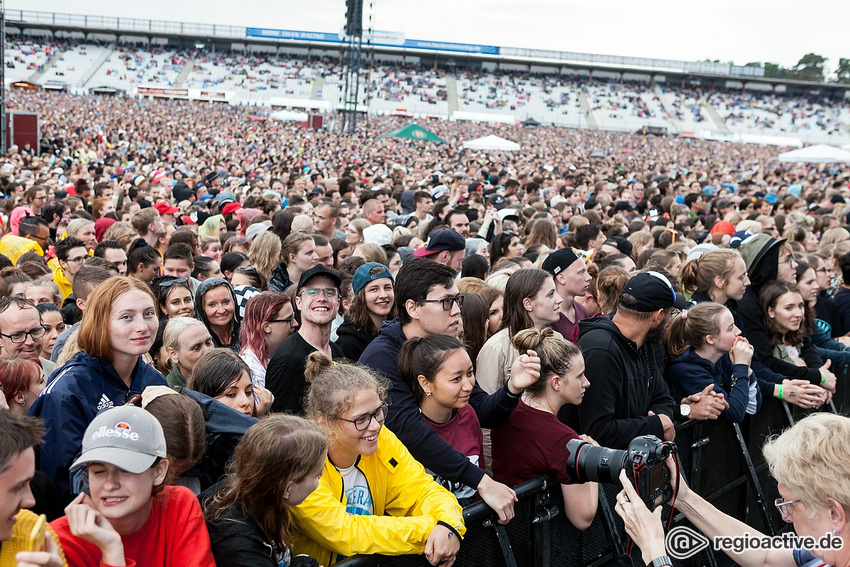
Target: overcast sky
[{"x": 779, "y": 31}]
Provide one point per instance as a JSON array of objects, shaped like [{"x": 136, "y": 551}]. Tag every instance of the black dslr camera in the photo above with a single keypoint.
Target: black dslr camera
[{"x": 643, "y": 462}]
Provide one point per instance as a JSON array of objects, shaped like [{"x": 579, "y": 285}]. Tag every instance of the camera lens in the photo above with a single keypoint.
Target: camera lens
[{"x": 597, "y": 464}]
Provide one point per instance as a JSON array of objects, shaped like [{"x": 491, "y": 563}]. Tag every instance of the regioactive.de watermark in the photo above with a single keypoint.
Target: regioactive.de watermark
[{"x": 683, "y": 542}]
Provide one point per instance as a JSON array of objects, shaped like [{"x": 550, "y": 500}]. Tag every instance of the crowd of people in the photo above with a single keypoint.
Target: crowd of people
[{"x": 302, "y": 345}]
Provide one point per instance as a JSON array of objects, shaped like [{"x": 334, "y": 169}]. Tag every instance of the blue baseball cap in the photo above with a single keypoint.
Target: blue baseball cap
[{"x": 368, "y": 272}]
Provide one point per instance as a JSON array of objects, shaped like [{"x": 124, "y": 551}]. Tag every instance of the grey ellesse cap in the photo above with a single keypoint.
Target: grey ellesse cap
[{"x": 127, "y": 437}]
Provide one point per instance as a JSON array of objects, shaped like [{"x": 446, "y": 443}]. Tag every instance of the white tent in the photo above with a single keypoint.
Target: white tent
[
  {"x": 491, "y": 143},
  {"x": 820, "y": 153},
  {"x": 289, "y": 116}
]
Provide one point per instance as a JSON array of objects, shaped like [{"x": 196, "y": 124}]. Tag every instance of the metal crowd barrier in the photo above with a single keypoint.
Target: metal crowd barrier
[{"x": 721, "y": 460}]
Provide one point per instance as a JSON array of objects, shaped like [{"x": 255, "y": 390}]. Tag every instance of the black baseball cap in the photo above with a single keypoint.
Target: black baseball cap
[
  {"x": 652, "y": 291},
  {"x": 442, "y": 240},
  {"x": 559, "y": 260},
  {"x": 318, "y": 270}
]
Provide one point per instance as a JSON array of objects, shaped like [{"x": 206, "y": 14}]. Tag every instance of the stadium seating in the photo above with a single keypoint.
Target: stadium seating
[{"x": 266, "y": 79}]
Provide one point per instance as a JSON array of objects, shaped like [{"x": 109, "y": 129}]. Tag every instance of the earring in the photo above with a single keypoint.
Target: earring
[
  {"x": 835, "y": 530},
  {"x": 23, "y": 403},
  {"x": 427, "y": 393}
]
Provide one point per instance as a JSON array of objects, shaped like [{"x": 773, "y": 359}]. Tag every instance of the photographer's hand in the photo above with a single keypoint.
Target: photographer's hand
[{"x": 644, "y": 527}]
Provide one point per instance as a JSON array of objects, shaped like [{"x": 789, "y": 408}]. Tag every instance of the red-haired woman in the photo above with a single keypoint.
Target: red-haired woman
[
  {"x": 119, "y": 327},
  {"x": 22, "y": 382},
  {"x": 269, "y": 320}
]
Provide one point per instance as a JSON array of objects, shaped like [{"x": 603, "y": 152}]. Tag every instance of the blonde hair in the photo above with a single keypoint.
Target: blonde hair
[
  {"x": 120, "y": 232},
  {"x": 812, "y": 459},
  {"x": 333, "y": 387},
  {"x": 834, "y": 236},
  {"x": 698, "y": 274},
  {"x": 499, "y": 280},
  {"x": 175, "y": 327},
  {"x": 609, "y": 284},
  {"x": 265, "y": 252}
]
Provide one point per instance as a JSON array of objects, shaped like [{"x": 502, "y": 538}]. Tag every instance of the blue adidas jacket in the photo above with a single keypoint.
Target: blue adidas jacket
[{"x": 77, "y": 392}]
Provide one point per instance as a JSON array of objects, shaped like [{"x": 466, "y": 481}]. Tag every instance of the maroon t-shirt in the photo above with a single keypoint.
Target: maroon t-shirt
[
  {"x": 463, "y": 432},
  {"x": 567, "y": 328},
  {"x": 528, "y": 444}
]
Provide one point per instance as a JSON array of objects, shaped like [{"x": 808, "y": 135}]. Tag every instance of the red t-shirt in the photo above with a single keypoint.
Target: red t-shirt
[
  {"x": 528, "y": 444},
  {"x": 463, "y": 432},
  {"x": 567, "y": 328},
  {"x": 175, "y": 534}
]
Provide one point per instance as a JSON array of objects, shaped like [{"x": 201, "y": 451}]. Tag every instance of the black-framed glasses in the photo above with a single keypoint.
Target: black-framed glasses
[
  {"x": 783, "y": 507},
  {"x": 822, "y": 270},
  {"x": 329, "y": 292},
  {"x": 21, "y": 336},
  {"x": 447, "y": 301},
  {"x": 290, "y": 320},
  {"x": 362, "y": 422}
]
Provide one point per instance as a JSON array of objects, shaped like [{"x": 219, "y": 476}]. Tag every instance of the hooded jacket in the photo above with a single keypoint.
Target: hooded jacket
[
  {"x": 353, "y": 341},
  {"x": 236, "y": 539},
  {"x": 626, "y": 383},
  {"x": 689, "y": 374},
  {"x": 280, "y": 281},
  {"x": 225, "y": 428},
  {"x": 407, "y": 502},
  {"x": 405, "y": 419},
  {"x": 761, "y": 255},
  {"x": 200, "y": 314},
  {"x": 76, "y": 393}
]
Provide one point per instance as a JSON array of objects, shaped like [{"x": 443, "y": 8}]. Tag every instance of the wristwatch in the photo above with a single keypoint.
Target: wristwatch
[
  {"x": 660, "y": 561},
  {"x": 684, "y": 410}
]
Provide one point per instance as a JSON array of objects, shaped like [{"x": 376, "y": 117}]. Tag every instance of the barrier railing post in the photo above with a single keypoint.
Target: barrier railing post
[{"x": 541, "y": 526}]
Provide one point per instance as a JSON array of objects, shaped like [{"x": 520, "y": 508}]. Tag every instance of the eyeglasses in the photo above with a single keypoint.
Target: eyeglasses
[
  {"x": 329, "y": 292},
  {"x": 822, "y": 270},
  {"x": 247, "y": 269},
  {"x": 783, "y": 507},
  {"x": 21, "y": 337},
  {"x": 363, "y": 422},
  {"x": 447, "y": 301},
  {"x": 76, "y": 260},
  {"x": 290, "y": 320},
  {"x": 790, "y": 261}
]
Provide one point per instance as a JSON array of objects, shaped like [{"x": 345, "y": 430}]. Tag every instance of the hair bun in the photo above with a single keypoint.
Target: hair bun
[{"x": 317, "y": 362}]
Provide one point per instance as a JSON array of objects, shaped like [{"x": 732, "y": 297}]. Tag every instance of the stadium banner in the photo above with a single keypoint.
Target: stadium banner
[
  {"x": 385, "y": 42},
  {"x": 160, "y": 91}
]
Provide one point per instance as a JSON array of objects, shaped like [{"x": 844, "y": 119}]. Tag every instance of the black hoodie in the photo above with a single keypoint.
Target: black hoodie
[
  {"x": 767, "y": 367},
  {"x": 626, "y": 383}
]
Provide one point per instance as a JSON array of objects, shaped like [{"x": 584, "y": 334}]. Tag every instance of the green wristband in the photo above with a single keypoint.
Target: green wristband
[
  {"x": 822, "y": 378},
  {"x": 779, "y": 393}
]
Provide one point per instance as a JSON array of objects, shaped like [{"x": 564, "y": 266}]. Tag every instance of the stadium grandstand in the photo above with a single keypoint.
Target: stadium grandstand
[{"x": 303, "y": 72}]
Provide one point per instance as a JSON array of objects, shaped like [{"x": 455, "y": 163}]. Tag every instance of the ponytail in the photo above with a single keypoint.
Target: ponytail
[{"x": 691, "y": 327}]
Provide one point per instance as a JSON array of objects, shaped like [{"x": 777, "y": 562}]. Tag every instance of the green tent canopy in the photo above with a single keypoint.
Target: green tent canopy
[{"x": 414, "y": 132}]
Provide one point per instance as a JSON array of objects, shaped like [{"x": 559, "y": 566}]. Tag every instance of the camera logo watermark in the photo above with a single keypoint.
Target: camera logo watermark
[{"x": 683, "y": 542}]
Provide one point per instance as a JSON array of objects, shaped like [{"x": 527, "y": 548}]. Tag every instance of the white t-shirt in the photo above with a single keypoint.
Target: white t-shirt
[{"x": 357, "y": 494}]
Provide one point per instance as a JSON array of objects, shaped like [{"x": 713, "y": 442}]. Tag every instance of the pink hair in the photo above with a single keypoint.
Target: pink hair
[{"x": 260, "y": 309}]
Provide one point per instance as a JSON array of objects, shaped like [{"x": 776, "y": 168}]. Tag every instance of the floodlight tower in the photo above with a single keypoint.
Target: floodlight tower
[{"x": 352, "y": 63}]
